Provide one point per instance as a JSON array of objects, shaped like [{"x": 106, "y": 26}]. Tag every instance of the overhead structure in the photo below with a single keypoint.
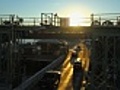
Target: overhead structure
[
  {"x": 50, "y": 19},
  {"x": 104, "y": 68},
  {"x": 105, "y": 19}
]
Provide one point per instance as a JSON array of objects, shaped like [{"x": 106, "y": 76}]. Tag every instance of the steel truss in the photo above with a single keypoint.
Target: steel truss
[
  {"x": 10, "y": 66},
  {"x": 104, "y": 63}
]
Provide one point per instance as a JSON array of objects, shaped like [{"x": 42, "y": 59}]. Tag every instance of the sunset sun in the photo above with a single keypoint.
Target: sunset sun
[{"x": 75, "y": 19}]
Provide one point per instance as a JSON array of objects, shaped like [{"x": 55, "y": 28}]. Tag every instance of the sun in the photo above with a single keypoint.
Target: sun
[{"x": 75, "y": 19}]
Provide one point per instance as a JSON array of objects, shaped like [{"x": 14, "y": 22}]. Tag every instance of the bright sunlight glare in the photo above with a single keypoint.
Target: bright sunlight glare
[{"x": 75, "y": 19}]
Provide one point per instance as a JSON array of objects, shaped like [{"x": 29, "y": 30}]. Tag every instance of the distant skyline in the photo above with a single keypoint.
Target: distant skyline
[{"x": 63, "y": 7}]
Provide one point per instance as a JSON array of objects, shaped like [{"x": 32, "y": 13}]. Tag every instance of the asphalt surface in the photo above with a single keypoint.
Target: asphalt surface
[{"x": 67, "y": 68}]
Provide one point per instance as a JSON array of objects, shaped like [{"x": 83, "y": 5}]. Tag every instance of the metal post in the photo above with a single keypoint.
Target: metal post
[{"x": 92, "y": 17}]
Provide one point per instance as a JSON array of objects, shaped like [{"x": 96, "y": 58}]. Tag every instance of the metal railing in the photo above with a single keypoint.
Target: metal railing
[
  {"x": 100, "y": 19},
  {"x": 30, "y": 82},
  {"x": 105, "y": 19}
]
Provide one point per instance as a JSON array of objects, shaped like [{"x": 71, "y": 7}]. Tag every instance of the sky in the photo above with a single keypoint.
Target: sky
[{"x": 62, "y": 7}]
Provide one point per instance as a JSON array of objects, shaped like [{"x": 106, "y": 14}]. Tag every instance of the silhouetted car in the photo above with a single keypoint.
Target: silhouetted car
[
  {"x": 74, "y": 54},
  {"x": 50, "y": 80},
  {"x": 77, "y": 74},
  {"x": 77, "y": 64},
  {"x": 78, "y": 47}
]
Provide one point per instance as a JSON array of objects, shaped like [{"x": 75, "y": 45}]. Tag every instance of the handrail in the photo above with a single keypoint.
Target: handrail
[{"x": 37, "y": 76}]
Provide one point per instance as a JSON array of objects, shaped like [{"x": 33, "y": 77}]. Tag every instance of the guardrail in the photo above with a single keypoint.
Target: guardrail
[
  {"x": 30, "y": 82},
  {"x": 100, "y": 19},
  {"x": 105, "y": 19}
]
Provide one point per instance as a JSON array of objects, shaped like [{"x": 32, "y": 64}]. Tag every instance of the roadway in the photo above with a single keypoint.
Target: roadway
[
  {"x": 66, "y": 77},
  {"x": 67, "y": 68}
]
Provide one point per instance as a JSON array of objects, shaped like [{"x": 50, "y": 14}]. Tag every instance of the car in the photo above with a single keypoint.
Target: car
[
  {"x": 50, "y": 80},
  {"x": 77, "y": 74},
  {"x": 74, "y": 54},
  {"x": 77, "y": 48},
  {"x": 77, "y": 64}
]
